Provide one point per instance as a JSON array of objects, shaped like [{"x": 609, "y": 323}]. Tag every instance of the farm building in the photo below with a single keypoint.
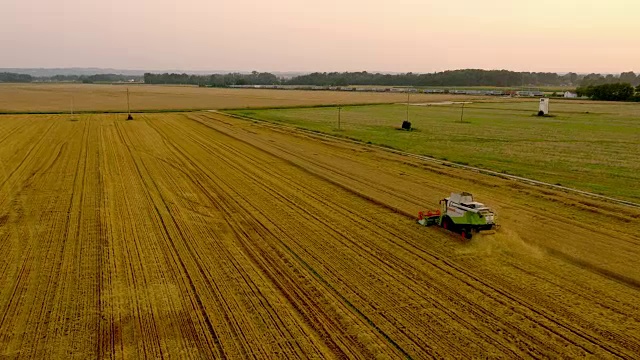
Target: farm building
[
  {"x": 530, "y": 93},
  {"x": 570, "y": 95}
]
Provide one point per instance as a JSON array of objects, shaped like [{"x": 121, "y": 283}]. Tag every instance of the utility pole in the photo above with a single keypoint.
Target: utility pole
[
  {"x": 408, "y": 94},
  {"x": 129, "y": 117},
  {"x": 462, "y": 113}
]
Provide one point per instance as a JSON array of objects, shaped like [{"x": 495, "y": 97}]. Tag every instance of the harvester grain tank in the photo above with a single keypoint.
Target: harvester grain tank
[{"x": 460, "y": 213}]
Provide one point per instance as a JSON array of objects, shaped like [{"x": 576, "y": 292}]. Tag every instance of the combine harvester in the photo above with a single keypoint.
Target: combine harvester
[{"x": 460, "y": 214}]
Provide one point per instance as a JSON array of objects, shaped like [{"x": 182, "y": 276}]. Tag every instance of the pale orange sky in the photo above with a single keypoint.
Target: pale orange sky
[{"x": 328, "y": 35}]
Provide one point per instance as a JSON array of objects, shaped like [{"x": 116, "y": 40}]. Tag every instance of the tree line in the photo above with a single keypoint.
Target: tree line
[
  {"x": 465, "y": 77},
  {"x": 215, "y": 80},
  {"x": 25, "y": 78},
  {"x": 15, "y": 78},
  {"x": 597, "y": 79},
  {"x": 468, "y": 77},
  {"x": 611, "y": 92}
]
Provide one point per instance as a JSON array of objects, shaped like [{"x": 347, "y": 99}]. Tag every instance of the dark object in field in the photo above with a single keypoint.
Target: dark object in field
[
  {"x": 406, "y": 125},
  {"x": 129, "y": 117},
  {"x": 540, "y": 113}
]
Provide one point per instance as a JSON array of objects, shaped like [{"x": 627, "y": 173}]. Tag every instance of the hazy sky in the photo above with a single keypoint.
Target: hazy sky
[{"x": 327, "y": 35}]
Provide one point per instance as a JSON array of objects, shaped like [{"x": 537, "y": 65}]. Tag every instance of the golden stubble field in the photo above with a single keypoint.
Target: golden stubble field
[
  {"x": 97, "y": 97},
  {"x": 199, "y": 236}
]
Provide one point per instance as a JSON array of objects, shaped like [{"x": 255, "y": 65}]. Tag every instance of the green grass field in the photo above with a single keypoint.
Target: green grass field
[{"x": 591, "y": 146}]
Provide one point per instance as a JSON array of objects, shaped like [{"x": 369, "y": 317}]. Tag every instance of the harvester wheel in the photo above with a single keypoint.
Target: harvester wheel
[
  {"x": 445, "y": 224},
  {"x": 466, "y": 234}
]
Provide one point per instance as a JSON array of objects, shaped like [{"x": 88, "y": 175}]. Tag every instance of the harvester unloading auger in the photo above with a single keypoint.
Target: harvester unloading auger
[{"x": 460, "y": 214}]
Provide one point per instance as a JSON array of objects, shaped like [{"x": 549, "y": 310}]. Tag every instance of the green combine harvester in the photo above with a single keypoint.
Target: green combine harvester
[{"x": 461, "y": 214}]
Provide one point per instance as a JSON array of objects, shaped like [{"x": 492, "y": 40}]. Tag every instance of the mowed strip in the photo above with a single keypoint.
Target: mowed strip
[{"x": 191, "y": 236}]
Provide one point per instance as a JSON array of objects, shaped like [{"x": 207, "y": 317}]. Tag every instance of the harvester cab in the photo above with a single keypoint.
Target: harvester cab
[{"x": 460, "y": 213}]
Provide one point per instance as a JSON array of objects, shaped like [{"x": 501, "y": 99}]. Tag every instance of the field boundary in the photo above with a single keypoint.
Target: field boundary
[
  {"x": 439, "y": 161},
  {"x": 89, "y": 112},
  {"x": 152, "y": 111}
]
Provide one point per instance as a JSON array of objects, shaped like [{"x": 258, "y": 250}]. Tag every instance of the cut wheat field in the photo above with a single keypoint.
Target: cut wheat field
[
  {"x": 197, "y": 235},
  {"x": 57, "y": 98}
]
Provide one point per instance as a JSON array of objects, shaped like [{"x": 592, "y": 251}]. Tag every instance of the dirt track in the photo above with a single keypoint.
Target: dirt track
[{"x": 204, "y": 236}]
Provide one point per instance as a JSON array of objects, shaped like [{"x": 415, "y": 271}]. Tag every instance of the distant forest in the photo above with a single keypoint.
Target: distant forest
[
  {"x": 467, "y": 77},
  {"x": 87, "y": 79}
]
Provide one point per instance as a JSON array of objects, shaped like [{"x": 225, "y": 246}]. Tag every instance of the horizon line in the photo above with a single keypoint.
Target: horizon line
[{"x": 184, "y": 71}]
